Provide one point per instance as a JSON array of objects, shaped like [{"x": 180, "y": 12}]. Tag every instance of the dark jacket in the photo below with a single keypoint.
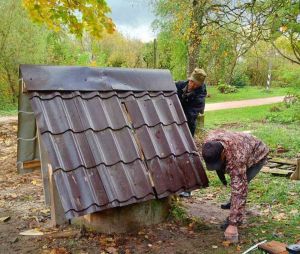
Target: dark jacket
[{"x": 192, "y": 103}]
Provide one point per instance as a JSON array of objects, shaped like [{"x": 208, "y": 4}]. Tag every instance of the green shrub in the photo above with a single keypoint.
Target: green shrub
[
  {"x": 224, "y": 88},
  {"x": 6, "y": 99},
  {"x": 240, "y": 79}
]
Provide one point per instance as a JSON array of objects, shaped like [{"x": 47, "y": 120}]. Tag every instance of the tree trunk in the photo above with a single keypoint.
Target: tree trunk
[
  {"x": 194, "y": 42},
  {"x": 11, "y": 84},
  {"x": 234, "y": 62},
  {"x": 193, "y": 55}
]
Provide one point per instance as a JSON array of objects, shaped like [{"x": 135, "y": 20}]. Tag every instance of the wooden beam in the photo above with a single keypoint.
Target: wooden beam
[
  {"x": 283, "y": 161},
  {"x": 273, "y": 247},
  {"x": 35, "y": 164},
  {"x": 57, "y": 212},
  {"x": 296, "y": 174},
  {"x": 277, "y": 171},
  {"x": 44, "y": 169}
]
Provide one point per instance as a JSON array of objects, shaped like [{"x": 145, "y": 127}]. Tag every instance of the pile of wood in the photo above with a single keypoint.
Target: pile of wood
[{"x": 283, "y": 167}]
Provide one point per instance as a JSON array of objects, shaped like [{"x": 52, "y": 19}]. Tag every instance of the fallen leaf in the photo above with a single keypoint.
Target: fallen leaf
[
  {"x": 214, "y": 247},
  {"x": 238, "y": 248},
  {"x": 226, "y": 243}
]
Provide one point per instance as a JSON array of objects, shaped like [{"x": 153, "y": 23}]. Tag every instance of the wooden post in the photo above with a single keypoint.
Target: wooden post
[
  {"x": 201, "y": 121},
  {"x": 44, "y": 169},
  {"x": 200, "y": 126},
  {"x": 57, "y": 211},
  {"x": 296, "y": 174}
]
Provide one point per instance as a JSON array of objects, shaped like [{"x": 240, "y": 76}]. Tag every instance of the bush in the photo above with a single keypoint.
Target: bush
[
  {"x": 240, "y": 79},
  {"x": 224, "y": 88},
  {"x": 287, "y": 77},
  {"x": 6, "y": 99}
]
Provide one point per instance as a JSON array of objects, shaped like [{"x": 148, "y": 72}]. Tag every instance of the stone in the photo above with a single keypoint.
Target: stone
[{"x": 126, "y": 219}]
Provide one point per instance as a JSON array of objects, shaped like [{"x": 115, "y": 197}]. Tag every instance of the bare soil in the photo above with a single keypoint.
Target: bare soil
[{"x": 21, "y": 198}]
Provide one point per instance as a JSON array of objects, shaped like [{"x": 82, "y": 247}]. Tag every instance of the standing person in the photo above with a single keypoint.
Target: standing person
[
  {"x": 192, "y": 93},
  {"x": 241, "y": 156}
]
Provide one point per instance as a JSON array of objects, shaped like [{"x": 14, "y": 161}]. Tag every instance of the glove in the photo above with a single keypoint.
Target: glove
[{"x": 231, "y": 234}]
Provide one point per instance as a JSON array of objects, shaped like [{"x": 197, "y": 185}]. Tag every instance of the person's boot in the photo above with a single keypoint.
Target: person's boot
[
  {"x": 225, "y": 224},
  {"x": 226, "y": 206}
]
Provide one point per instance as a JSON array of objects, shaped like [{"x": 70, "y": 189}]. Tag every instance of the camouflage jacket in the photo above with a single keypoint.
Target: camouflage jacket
[{"x": 241, "y": 151}]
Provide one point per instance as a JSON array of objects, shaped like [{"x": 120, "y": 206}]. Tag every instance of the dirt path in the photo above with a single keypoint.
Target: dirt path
[
  {"x": 8, "y": 119},
  {"x": 243, "y": 103}
]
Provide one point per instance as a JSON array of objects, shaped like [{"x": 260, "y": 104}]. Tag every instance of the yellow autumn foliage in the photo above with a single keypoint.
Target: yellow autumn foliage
[{"x": 75, "y": 16}]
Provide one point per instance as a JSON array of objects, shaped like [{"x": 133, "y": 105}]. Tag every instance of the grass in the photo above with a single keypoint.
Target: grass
[
  {"x": 254, "y": 119},
  {"x": 6, "y": 108},
  {"x": 275, "y": 199},
  {"x": 8, "y": 112},
  {"x": 244, "y": 93}
]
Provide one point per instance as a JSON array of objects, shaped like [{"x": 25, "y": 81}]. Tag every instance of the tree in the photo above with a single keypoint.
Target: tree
[
  {"x": 192, "y": 20},
  {"x": 21, "y": 42},
  {"x": 283, "y": 21},
  {"x": 77, "y": 17}
]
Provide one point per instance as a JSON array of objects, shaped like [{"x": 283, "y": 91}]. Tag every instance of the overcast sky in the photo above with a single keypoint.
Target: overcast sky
[{"x": 133, "y": 18}]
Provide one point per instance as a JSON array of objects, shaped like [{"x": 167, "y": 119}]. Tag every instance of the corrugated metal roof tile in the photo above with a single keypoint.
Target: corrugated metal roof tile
[
  {"x": 175, "y": 174},
  {"x": 103, "y": 187},
  {"x": 163, "y": 141},
  {"x": 152, "y": 112},
  {"x": 106, "y": 148},
  {"x": 79, "y": 115},
  {"x": 89, "y": 148}
]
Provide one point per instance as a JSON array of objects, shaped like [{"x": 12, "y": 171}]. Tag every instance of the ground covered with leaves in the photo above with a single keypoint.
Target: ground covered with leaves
[{"x": 193, "y": 227}]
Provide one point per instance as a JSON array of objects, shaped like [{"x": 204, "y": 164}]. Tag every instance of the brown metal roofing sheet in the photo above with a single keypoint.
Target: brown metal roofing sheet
[
  {"x": 177, "y": 173},
  {"x": 76, "y": 78},
  {"x": 78, "y": 114},
  {"x": 89, "y": 149},
  {"x": 90, "y": 190},
  {"x": 153, "y": 112},
  {"x": 107, "y": 148}
]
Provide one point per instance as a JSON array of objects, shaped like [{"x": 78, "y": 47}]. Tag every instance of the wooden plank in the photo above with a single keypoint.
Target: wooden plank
[
  {"x": 285, "y": 166},
  {"x": 44, "y": 169},
  {"x": 57, "y": 212},
  {"x": 35, "y": 164},
  {"x": 274, "y": 247},
  {"x": 296, "y": 174},
  {"x": 277, "y": 171},
  {"x": 283, "y": 161},
  {"x": 273, "y": 165},
  {"x": 201, "y": 121}
]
